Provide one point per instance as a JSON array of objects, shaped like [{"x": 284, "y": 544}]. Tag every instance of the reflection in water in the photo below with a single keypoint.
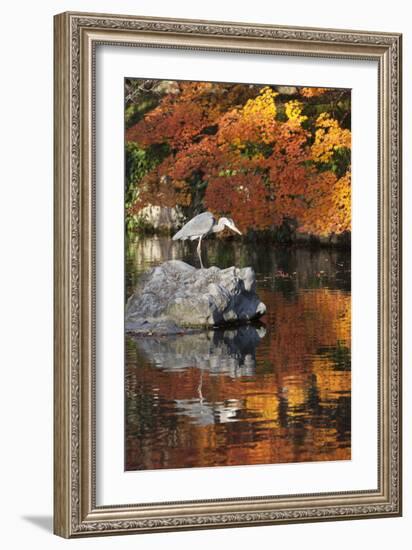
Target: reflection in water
[
  {"x": 230, "y": 352},
  {"x": 251, "y": 395}
]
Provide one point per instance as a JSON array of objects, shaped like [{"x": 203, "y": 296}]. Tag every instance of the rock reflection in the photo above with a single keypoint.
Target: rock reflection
[
  {"x": 220, "y": 352},
  {"x": 231, "y": 352}
]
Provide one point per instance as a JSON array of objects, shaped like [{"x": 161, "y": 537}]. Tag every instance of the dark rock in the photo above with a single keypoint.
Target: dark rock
[{"x": 175, "y": 296}]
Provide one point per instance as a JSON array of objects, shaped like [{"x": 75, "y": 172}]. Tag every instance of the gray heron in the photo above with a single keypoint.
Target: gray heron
[{"x": 202, "y": 225}]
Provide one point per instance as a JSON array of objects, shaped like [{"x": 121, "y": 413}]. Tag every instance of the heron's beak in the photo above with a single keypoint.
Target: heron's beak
[{"x": 234, "y": 228}]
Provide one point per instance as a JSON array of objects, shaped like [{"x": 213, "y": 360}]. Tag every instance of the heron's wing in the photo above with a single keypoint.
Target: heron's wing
[{"x": 199, "y": 225}]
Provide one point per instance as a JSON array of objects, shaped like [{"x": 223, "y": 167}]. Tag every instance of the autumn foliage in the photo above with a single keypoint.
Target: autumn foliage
[{"x": 249, "y": 152}]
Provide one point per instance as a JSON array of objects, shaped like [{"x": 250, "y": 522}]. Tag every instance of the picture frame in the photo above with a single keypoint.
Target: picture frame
[{"x": 76, "y": 510}]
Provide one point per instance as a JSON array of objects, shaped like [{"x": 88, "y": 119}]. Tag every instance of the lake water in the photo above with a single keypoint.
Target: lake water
[{"x": 275, "y": 392}]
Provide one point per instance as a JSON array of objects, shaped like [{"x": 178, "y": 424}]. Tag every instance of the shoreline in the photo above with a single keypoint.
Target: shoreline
[{"x": 308, "y": 241}]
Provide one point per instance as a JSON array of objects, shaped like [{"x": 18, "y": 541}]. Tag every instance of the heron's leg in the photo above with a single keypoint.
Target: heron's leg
[
  {"x": 199, "y": 388},
  {"x": 199, "y": 251}
]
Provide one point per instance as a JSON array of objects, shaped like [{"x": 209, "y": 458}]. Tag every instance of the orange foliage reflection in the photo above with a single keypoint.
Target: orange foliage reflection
[{"x": 294, "y": 406}]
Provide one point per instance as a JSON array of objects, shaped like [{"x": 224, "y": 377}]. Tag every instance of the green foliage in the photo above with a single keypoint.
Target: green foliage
[
  {"x": 135, "y": 111},
  {"x": 338, "y": 164},
  {"x": 198, "y": 188},
  {"x": 138, "y": 162},
  {"x": 251, "y": 149}
]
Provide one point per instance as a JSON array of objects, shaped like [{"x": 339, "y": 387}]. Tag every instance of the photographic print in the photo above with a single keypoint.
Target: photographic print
[
  {"x": 237, "y": 274},
  {"x": 226, "y": 295}
]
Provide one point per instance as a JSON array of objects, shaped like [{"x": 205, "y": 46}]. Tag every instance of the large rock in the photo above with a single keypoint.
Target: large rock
[{"x": 175, "y": 296}]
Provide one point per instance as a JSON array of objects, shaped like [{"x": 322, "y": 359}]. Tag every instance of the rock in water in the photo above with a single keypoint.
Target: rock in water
[{"x": 175, "y": 296}]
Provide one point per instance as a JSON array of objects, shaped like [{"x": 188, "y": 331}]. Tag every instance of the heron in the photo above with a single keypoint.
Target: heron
[{"x": 202, "y": 225}]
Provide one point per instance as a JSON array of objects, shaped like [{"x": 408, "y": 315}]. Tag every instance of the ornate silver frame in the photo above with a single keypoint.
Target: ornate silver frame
[{"x": 75, "y": 511}]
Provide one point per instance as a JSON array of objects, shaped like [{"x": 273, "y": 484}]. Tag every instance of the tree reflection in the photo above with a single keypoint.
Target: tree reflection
[{"x": 255, "y": 394}]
